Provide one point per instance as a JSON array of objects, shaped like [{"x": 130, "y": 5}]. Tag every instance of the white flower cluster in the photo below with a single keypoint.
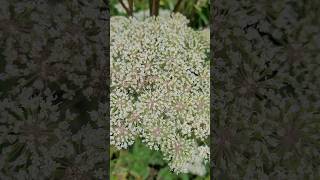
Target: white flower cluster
[{"x": 160, "y": 88}]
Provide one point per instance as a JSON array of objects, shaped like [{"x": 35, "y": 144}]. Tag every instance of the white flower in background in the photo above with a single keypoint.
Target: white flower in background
[
  {"x": 160, "y": 89},
  {"x": 199, "y": 157}
]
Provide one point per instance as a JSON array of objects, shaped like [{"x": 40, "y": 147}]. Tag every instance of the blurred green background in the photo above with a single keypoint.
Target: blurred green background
[
  {"x": 197, "y": 11},
  {"x": 138, "y": 162}
]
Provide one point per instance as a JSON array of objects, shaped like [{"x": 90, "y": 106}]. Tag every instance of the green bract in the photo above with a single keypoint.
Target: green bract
[{"x": 160, "y": 89}]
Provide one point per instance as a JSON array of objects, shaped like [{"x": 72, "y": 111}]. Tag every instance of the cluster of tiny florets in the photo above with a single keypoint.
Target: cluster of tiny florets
[{"x": 160, "y": 89}]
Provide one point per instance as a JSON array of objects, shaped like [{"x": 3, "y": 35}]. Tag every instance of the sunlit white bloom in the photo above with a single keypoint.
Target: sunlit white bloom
[{"x": 160, "y": 89}]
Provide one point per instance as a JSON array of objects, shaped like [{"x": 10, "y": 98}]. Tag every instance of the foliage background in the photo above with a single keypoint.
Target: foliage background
[
  {"x": 53, "y": 90},
  {"x": 197, "y": 11},
  {"x": 138, "y": 162},
  {"x": 265, "y": 96}
]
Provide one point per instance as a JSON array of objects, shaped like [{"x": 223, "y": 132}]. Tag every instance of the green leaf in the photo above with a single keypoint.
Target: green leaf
[
  {"x": 140, "y": 169},
  {"x": 165, "y": 174}
]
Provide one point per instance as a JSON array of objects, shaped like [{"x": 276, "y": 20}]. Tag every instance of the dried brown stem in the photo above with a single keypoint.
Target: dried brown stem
[
  {"x": 125, "y": 7},
  {"x": 130, "y": 7},
  {"x": 157, "y": 6},
  {"x": 154, "y": 7},
  {"x": 176, "y": 7},
  {"x": 150, "y": 7}
]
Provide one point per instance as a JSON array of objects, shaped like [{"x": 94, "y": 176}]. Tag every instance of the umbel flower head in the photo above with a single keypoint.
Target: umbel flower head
[{"x": 160, "y": 89}]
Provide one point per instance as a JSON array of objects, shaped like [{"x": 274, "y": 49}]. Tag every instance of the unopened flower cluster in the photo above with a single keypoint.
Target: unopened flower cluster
[{"x": 160, "y": 89}]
